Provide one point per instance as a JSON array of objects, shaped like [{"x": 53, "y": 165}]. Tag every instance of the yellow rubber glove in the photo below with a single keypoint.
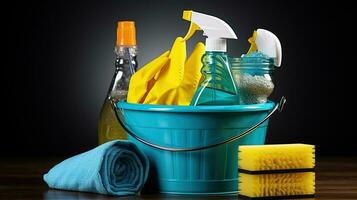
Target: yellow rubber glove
[
  {"x": 144, "y": 79},
  {"x": 192, "y": 77},
  {"x": 253, "y": 46},
  {"x": 168, "y": 79},
  {"x": 165, "y": 88}
]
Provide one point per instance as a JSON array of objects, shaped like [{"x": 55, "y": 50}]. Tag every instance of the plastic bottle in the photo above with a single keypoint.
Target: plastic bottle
[
  {"x": 125, "y": 66},
  {"x": 218, "y": 86}
]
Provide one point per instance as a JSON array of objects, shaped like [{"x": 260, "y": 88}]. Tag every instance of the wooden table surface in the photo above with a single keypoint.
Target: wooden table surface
[{"x": 21, "y": 178}]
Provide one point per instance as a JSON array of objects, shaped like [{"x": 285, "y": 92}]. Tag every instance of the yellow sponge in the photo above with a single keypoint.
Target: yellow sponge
[
  {"x": 276, "y": 171},
  {"x": 277, "y": 185},
  {"x": 276, "y": 157}
]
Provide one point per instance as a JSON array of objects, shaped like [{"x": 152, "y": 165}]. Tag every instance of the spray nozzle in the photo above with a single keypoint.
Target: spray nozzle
[
  {"x": 216, "y": 30},
  {"x": 266, "y": 42}
]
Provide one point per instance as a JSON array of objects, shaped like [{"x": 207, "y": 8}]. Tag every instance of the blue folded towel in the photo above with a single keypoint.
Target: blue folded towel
[{"x": 115, "y": 168}]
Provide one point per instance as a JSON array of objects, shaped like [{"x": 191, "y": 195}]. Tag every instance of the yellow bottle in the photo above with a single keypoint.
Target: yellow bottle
[{"x": 125, "y": 66}]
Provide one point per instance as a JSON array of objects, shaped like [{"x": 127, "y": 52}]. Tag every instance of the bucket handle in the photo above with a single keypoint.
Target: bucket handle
[{"x": 278, "y": 107}]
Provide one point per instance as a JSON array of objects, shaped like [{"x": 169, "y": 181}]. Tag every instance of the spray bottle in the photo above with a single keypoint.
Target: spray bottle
[{"x": 218, "y": 86}]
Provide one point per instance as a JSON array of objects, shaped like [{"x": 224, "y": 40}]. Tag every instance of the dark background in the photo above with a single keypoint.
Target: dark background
[{"x": 59, "y": 63}]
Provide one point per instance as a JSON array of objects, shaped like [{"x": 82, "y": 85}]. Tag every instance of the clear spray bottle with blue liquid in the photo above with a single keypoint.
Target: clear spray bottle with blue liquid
[{"x": 218, "y": 86}]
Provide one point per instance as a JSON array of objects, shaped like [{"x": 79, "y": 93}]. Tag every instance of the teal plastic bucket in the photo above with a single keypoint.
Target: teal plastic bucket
[{"x": 160, "y": 130}]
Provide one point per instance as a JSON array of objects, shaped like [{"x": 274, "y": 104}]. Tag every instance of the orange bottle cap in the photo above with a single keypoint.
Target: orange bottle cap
[{"x": 126, "y": 35}]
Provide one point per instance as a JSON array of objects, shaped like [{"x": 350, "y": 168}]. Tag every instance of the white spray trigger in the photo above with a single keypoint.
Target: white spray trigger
[
  {"x": 270, "y": 45},
  {"x": 216, "y": 30}
]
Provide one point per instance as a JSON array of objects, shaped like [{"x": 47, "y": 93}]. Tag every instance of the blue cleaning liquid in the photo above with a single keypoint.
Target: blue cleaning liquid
[{"x": 218, "y": 86}]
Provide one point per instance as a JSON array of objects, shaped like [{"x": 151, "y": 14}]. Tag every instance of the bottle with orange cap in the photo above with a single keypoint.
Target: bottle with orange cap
[{"x": 125, "y": 66}]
